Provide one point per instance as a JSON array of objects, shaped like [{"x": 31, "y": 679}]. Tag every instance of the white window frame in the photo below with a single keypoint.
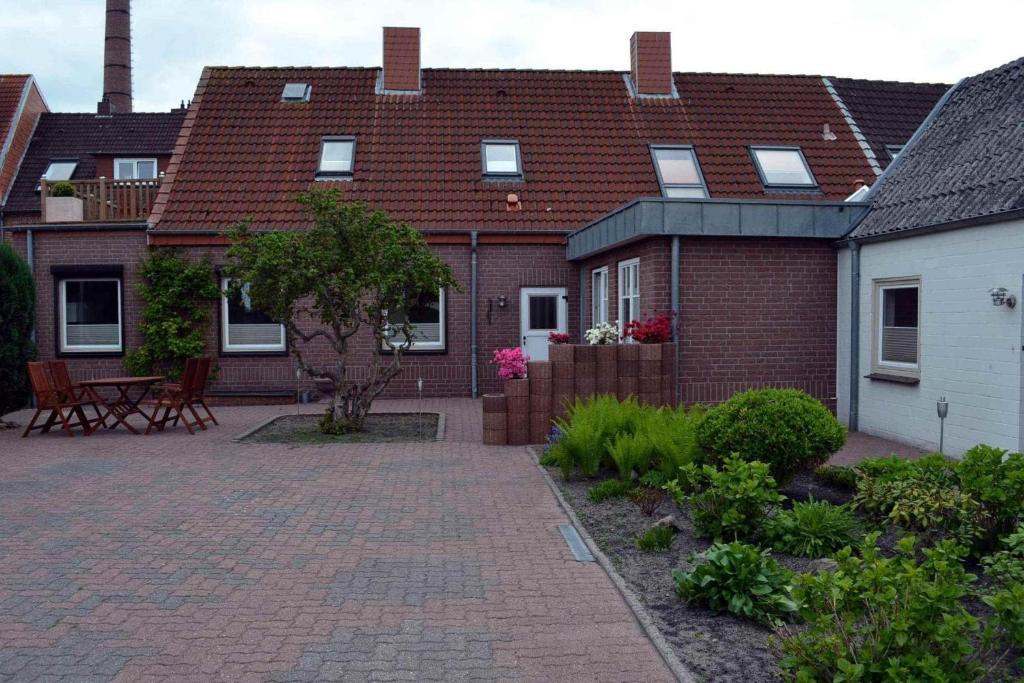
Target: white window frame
[
  {"x": 514, "y": 144},
  {"x": 226, "y": 346},
  {"x": 633, "y": 295},
  {"x": 812, "y": 182},
  {"x": 135, "y": 163},
  {"x": 910, "y": 370},
  {"x": 667, "y": 188},
  {"x": 598, "y": 296},
  {"x": 442, "y": 337},
  {"x": 346, "y": 174},
  {"x": 89, "y": 348}
]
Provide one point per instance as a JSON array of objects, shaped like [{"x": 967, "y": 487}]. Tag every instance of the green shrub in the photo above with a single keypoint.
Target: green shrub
[
  {"x": 1006, "y": 625},
  {"x": 653, "y": 479},
  {"x": 588, "y": 428},
  {"x": 648, "y": 500},
  {"x": 739, "y": 579},
  {"x": 840, "y": 476},
  {"x": 548, "y": 459},
  {"x": 995, "y": 479},
  {"x": 609, "y": 488},
  {"x": 812, "y": 529},
  {"x": 1006, "y": 567},
  {"x": 62, "y": 189},
  {"x": 655, "y": 539},
  {"x": 785, "y": 428},
  {"x": 673, "y": 437},
  {"x": 17, "y": 311},
  {"x": 876, "y": 618},
  {"x": 631, "y": 453},
  {"x": 733, "y": 502}
]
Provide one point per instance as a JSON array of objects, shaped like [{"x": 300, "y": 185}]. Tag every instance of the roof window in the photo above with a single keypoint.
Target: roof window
[
  {"x": 337, "y": 157},
  {"x": 501, "y": 158},
  {"x": 783, "y": 167},
  {"x": 296, "y": 92},
  {"x": 678, "y": 171},
  {"x": 60, "y": 169}
]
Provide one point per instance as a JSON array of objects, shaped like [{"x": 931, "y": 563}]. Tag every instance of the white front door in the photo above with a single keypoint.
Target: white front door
[{"x": 542, "y": 310}]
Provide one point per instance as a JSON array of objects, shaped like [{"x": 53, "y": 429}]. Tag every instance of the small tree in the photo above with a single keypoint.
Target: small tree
[
  {"x": 17, "y": 316},
  {"x": 176, "y": 295},
  {"x": 328, "y": 282}
]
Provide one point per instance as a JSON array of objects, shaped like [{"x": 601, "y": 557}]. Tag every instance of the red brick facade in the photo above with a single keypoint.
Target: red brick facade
[{"x": 20, "y": 138}]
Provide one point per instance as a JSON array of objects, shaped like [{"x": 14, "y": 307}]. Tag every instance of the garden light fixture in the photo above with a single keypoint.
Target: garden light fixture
[{"x": 1002, "y": 297}]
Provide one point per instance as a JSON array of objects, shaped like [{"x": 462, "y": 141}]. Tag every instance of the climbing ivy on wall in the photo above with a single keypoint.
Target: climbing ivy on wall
[{"x": 176, "y": 295}]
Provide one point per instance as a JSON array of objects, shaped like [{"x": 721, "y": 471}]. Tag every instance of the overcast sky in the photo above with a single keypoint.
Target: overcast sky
[{"x": 61, "y": 41}]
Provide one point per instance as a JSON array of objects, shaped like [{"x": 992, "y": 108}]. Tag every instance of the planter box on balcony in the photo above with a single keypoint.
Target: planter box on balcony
[{"x": 63, "y": 210}]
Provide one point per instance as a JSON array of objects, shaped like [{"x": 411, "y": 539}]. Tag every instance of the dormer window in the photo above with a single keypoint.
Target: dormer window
[
  {"x": 782, "y": 167},
  {"x": 678, "y": 171},
  {"x": 501, "y": 158},
  {"x": 337, "y": 157},
  {"x": 296, "y": 92}
]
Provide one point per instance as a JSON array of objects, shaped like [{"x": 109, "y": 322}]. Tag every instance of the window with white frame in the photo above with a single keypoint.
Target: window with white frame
[
  {"x": 782, "y": 167},
  {"x": 90, "y": 315},
  {"x": 426, "y": 319},
  {"x": 244, "y": 328},
  {"x": 502, "y": 158},
  {"x": 598, "y": 296},
  {"x": 678, "y": 171},
  {"x": 897, "y": 326},
  {"x": 134, "y": 169},
  {"x": 337, "y": 157},
  {"x": 57, "y": 170},
  {"x": 629, "y": 291}
]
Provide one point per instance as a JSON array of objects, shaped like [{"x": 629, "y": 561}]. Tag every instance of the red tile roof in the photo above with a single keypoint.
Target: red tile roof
[
  {"x": 11, "y": 89},
  {"x": 584, "y": 141}
]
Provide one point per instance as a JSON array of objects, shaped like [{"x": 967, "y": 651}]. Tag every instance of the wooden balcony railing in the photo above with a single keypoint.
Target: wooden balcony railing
[{"x": 106, "y": 200}]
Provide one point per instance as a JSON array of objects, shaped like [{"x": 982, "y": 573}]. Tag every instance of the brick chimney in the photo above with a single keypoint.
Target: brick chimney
[
  {"x": 401, "y": 59},
  {"x": 650, "y": 62},
  {"x": 117, "y": 59}
]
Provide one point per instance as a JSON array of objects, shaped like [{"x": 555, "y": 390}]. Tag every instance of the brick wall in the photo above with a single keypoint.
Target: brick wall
[
  {"x": 655, "y": 276},
  {"x": 34, "y": 106},
  {"x": 754, "y": 313},
  {"x": 105, "y": 163}
]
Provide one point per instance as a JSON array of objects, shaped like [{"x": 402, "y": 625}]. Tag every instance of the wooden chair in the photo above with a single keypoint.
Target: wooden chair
[
  {"x": 202, "y": 376},
  {"x": 177, "y": 398},
  {"x": 62, "y": 407},
  {"x": 70, "y": 391}
]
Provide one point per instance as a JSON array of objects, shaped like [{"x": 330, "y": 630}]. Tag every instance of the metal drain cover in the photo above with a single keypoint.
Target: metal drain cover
[{"x": 576, "y": 544}]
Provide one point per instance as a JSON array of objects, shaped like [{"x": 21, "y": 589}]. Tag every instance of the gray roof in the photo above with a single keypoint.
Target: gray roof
[{"x": 966, "y": 165}]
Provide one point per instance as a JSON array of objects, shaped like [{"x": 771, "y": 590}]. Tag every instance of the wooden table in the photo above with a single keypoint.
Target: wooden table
[{"x": 124, "y": 405}]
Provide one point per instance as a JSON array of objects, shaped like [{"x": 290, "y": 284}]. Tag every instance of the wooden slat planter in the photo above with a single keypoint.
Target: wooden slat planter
[{"x": 526, "y": 410}]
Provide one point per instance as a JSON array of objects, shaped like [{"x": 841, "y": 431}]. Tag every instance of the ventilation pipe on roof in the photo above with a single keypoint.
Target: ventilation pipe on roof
[
  {"x": 117, "y": 59},
  {"x": 401, "y": 72},
  {"x": 650, "y": 58}
]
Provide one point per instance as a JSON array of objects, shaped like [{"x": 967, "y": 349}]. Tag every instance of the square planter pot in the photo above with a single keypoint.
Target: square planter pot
[{"x": 64, "y": 210}]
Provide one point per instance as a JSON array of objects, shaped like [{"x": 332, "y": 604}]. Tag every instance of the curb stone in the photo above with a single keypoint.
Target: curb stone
[
  {"x": 438, "y": 435},
  {"x": 678, "y": 669}
]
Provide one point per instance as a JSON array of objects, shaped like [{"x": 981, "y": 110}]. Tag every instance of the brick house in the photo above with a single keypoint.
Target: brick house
[
  {"x": 928, "y": 280},
  {"x": 21, "y": 104},
  {"x": 559, "y": 199}
]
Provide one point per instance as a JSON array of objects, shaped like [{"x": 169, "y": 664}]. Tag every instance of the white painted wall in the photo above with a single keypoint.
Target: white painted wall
[{"x": 970, "y": 349}]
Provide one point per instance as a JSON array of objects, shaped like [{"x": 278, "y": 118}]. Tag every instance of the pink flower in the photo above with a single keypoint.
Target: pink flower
[{"x": 511, "y": 363}]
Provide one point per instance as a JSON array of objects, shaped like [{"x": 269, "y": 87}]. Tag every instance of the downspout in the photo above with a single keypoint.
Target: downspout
[
  {"x": 473, "y": 370},
  {"x": 583, "y": 305},
  {"x": 854, "y": 335},
  {"x": 674, "y": 289}
]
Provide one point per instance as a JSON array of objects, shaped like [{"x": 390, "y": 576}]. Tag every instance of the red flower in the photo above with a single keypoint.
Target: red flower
[
  {"x": 558, "y": 338},
  {"x": 657, "y": 330}
]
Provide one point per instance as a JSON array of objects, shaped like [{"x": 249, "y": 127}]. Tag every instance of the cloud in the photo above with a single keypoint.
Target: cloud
[{"x": 61, "y": 41}]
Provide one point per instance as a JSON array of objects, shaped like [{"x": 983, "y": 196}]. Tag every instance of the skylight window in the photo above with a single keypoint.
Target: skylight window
[
  {"x": 60, "y": 170},
  {"x": 337, "y": 157},
  {"x": 678, "y": 172},
  {"x": 296, "y": 92},
  {"x": 502, "y": 158},
  {"x": 782, "y": 167}
]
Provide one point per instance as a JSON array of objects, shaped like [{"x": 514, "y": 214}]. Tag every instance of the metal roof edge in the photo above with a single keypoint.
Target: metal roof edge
[
  {"x": 974, "y": 221},
  {"x": 858, "y": 135}
]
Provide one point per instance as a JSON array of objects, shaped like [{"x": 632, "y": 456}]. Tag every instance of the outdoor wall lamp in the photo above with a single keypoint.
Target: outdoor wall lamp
[
  {"x": 1002, "y": 297},
  {"x": 502, "y": 302}
]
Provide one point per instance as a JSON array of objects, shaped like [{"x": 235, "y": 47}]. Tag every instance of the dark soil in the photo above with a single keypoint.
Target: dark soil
[
  {"x": 380, "y": 428},
  {"x": 806, "y": 486},
  {"x": 717, "y": 647}
]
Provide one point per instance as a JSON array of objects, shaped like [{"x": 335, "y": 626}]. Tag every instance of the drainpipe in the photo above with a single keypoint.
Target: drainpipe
[
  {"x": 674, "y": 289},
  {"x": 583, "y": 305},
  {"x": 473, "y": 381},
  {"x": 854, "y": 334}
]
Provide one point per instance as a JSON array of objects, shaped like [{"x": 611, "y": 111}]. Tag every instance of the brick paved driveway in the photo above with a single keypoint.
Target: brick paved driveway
[{"x": 177, "y": 557}]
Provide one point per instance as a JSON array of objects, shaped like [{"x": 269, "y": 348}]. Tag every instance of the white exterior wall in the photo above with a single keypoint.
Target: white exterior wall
[{"x": 970, "y": 349}]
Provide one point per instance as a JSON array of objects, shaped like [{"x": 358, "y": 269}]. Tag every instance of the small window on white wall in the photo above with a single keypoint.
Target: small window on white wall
[
  {"x": 426, "y": 319},
  {"x": 246, "y": 329},
  {"x": 129, "y": 169},
  {"x": 598, "y": 296},
  {"x": 90, "y": 315},
  {"x": 629, "y": 291},
  {"x": 897, "y": 326}
]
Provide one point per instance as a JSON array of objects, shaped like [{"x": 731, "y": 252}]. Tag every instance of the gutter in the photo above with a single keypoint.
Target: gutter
[
  {"x": 853, "y": 417},
  {"x": 674, "y": 289},
  {"x": 77, "y": 227},
  {"x": 583, "y": 305},
  {"x": 473, "y": 349}
]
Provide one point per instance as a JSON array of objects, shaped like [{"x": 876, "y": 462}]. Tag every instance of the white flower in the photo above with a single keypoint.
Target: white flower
[{"x": 602, "y": 333}]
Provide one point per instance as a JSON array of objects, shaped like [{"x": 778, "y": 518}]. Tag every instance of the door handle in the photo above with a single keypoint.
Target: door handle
[{"x": 524, "y": 340}]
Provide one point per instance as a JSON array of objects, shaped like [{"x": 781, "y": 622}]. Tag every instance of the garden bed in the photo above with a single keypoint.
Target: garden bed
[{"x": 380, "y": 428}]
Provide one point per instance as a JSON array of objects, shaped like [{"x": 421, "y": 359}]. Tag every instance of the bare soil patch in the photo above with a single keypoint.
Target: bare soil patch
[{"x": 380, "y": 428}]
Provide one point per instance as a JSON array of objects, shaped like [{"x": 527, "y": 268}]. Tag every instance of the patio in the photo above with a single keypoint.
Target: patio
[{"x": 176, "y": 556}]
